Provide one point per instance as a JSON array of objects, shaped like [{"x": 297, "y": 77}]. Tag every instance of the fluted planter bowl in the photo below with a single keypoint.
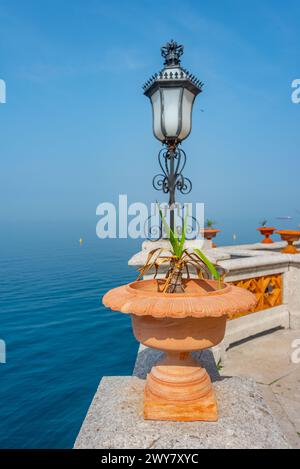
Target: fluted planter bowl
[
  {"x": 178, "y": 388},
  {"x": 210, "y": 233},
  {"x": 266, "y": 232},
  {"x": 290, "y": 236},
  {"x": 173, "y": 335}
]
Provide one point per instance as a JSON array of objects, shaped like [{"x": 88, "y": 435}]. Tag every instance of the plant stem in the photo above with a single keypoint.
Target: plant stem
[{"x": 175, "y": 285}]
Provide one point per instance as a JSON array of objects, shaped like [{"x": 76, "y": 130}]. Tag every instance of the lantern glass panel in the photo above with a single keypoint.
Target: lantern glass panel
[
  {"x": 186, "y": 118},
  {"x": 156, "y": 113},
  {"x": 171, "y": 116}
]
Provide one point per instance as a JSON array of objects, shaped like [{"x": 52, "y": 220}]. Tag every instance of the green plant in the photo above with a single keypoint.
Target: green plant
[
  {"x": 209, "y": 223},
  {"x": 219, "y": 365},
  {"x": 180, "y": 259},
  {"x": 263, "y": 223}
]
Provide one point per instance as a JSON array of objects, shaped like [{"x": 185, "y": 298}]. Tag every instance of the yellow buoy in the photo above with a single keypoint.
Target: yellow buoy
[{"x": 81, "y": 241}]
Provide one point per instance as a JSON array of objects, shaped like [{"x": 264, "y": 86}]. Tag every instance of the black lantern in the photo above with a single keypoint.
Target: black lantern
[{"x": 172, "y": 93}]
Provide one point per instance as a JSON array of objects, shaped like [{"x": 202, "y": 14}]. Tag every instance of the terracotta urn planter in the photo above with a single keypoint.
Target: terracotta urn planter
[
  {"x": 290, "y": 236},
  {"x": 177, "y": 388},
  {"x": 266, "y": 232},
  {"x": 210, "y": 233}
]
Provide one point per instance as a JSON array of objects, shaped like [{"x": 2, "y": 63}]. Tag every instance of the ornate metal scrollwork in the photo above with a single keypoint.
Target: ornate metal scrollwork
[
  {"x": 172, "y": 162},
  {"x": 154, "y": 231}
]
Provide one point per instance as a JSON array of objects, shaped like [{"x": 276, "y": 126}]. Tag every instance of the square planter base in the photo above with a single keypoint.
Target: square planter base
[{"x": 204, "y": 409}]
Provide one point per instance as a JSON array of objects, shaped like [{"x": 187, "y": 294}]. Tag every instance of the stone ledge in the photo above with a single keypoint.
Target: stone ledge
[{"x": 115, "y": 420}]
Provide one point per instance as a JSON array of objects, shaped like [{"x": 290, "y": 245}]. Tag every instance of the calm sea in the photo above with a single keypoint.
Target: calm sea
[{"x": 60, "y": 339}]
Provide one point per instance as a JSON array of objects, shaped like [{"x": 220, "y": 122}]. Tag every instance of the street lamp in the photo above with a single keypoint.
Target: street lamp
[{"x": 172, "y": 92}]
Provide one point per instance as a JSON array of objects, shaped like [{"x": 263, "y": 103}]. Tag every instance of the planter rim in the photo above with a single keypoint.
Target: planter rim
[
  {"x": 288, "y": 232},
  {"x": 213, "y": 230},
  {"x": 142, "y": 299},
  {"x": 201, "y": 291}
]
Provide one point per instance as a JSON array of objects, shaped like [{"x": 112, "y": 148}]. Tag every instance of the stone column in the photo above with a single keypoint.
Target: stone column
[{"x": 291, "y": 294}]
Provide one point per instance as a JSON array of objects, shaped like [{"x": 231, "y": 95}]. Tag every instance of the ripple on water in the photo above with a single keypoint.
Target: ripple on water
[{"x": 60, "y": 340}]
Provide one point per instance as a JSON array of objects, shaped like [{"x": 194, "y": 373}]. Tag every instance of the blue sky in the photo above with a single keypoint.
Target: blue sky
[{"x": 76, "y": 128}]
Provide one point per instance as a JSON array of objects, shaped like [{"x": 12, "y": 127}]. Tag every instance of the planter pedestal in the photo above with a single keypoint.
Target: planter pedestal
[
  {"x": 266, "y": 232},
  {"x": 178, "y": 389},
  {"x": 290, "y": 236},
  {"x": 210, "y": 233}
]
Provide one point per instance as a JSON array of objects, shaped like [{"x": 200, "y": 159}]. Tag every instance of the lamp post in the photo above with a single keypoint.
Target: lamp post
[{"x": 172, "y": 92}]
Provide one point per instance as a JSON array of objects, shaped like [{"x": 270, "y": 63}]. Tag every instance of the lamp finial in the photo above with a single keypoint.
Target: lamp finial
[{"x": 172, "y": 52}]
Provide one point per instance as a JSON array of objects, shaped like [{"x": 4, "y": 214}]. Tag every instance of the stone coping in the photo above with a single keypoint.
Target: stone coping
[
  {"x": 256, "y": 246},
  {"x": 250, "y": 256},
  {"x": 255, "y": 262},
  {"x": 140, "y": 258}
]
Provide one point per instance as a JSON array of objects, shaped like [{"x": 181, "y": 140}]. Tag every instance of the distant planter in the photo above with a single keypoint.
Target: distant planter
[
  {"x": 266, "y": 232},
  {"x": 290, "y": 236},
  {"x": 210, "y": 233},
  {"x": 178, "y": 388}
]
